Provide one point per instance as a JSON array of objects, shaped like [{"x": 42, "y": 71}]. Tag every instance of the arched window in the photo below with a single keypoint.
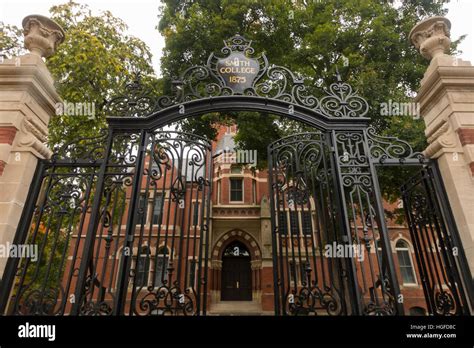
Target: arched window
[
  {"x": 405, "y": 262},
  {"x": 236, "y": 249},
  {"x": 161, "y": 266},
  {"x": 142, "y": 266}
]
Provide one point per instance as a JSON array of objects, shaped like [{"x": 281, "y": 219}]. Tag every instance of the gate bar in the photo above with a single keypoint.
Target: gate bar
[
  {"x": 384, "y": 236},
  {"x": 465, "y": 272},
  {"x": 123, "y": 273},
  {"x": 276, "y": 290},
  {"x": 90, "y": 236}
]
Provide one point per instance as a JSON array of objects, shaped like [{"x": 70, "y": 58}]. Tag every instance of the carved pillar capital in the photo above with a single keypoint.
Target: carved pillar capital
[
  {"x": 256, "y": 264},
  {"x": 443, "y": 140},
  {"x": 216, "y": 264}
]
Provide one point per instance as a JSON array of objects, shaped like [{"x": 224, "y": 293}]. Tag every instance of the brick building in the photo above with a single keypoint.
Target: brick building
[
  {"x": 241, "y": 219},
  {"x": 168, "y": 243}
]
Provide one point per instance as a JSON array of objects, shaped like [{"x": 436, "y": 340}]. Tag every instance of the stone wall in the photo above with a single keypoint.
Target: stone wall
[{"x": 27, "y": 102}]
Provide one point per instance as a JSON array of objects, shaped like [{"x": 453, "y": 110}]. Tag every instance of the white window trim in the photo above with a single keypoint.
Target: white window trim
[{"x": 408, "y": 249}]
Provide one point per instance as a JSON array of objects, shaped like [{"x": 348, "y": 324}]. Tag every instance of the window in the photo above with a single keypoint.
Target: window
[
  {"x": 161, "y": 266},
  {"x": 304, "y": 275},
  {"x": 294, "y": 222},
  {"x": 282, "y": 224},
  {"x": 195, "y": 213},
  {"x": 378, "y": 244},
  {"x": 378, "y": 247},
  {"x": 192, "y": 273},
  {"x": 417, "y": 311},
  {"x": 307, "y": 226},
  {"x": 236, "y": 169},
  {"x": 404, "y": 260},
  {"x": 293, "y": 273},
  {"x": 236, "y": 190},
  {"x": 254, "y": 191},
  {"x": 158, "y": 209},
  {"x": 142, "y": 206},
  {"x": 236, "y": 249},
  {"x": 142, "y": 266}
]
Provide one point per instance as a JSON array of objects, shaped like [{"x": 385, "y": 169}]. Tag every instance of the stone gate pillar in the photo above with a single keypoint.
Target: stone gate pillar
[
  {"x": 446, "y": 98},
  {"x": 27, "y": 102}
]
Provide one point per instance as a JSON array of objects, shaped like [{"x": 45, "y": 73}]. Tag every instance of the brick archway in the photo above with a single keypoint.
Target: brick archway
[
  {"x": 236, "y": 234},
  {"x": 255, "y": 260}
]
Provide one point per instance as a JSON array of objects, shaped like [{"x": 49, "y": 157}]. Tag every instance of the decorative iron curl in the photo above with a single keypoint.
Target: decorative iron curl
[
  {"x": 167, "y": 301},
  {"x": 136, "y": 102},
  {"x": 309, "y": 300},
  {"x": 86, "y": 149},
  {"x": 390, "y": 148},
  {"x": 270, "y": 82},
  {"x": 342, "y": 102}
]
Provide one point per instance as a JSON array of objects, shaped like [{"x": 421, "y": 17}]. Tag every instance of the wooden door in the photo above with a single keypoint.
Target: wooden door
[{"x": 236, "y": 279}]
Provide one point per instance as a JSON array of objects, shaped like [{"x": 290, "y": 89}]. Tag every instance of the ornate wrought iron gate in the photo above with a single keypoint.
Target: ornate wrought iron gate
[
  {"x": 121, "y": 223},
  {"x": 438, "y": 250},
  {"x": 327, "y": 217},
  {"x": 305, "y": 218}
]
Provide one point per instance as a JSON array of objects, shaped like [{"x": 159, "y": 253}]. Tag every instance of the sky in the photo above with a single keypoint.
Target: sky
[{"x": 142, "y": 16}]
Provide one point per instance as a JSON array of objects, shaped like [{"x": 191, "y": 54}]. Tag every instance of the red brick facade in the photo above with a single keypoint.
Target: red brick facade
[
  {"x": 7, "y": 134},
  {"x": 466, "y": 136}
]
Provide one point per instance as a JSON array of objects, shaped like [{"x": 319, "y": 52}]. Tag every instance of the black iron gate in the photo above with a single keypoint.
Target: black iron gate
[
  {"x": 121, "y": 227},
  {"x": 438, "y": 250},
  {"x": 122, "y": 224},
  {"x": 332, "y": 252},
  {"x": 327, "y": 214},
  {"x": 305, "y": 218}
]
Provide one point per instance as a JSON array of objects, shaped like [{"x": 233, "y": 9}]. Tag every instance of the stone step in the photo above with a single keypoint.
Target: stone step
[{"x": 241, "y": 308}]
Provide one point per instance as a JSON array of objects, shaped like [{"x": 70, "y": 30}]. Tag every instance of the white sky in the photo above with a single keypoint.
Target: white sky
[{"x": 142, "y": 16}]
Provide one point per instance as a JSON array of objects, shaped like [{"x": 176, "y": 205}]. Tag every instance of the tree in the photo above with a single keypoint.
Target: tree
[
  {"x": 92, "y": 65},
  {"x": 367, "y": 40}
]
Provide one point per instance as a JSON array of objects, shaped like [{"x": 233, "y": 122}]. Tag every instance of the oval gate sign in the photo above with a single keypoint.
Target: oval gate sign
[{"x": 238, "y": 71}]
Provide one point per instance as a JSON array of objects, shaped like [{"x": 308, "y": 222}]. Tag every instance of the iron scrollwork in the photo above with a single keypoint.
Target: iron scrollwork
[
  {"x": 266, "y": 80},
  {"x": 91, "y": 149},
  {"x": 383, "y": 149},
  {"x": 433, "y": 244}
]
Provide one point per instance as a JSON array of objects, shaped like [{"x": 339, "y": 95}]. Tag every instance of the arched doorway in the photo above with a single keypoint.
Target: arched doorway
[{"x": 236, "y": 273}]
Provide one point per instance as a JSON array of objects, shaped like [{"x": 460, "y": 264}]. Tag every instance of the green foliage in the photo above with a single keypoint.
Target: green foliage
[
  {"x": 311, "y": 38},
  {"x": 11, "y": 43},
  {"x": 92, "y": 65}
]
